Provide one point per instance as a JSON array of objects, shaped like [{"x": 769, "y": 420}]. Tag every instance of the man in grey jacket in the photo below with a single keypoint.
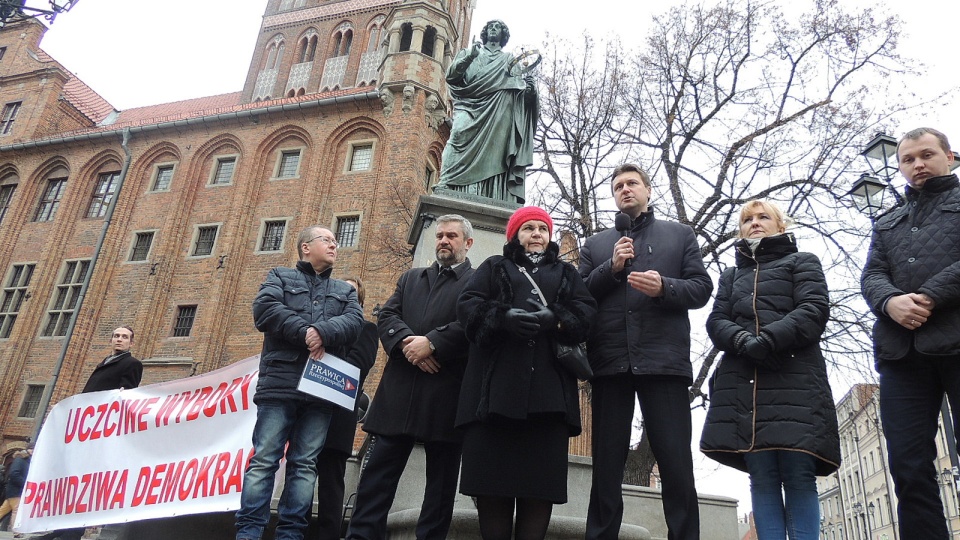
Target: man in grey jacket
[
  {"x": 912, "y": 284},
  {"x": 302, "y": 313},
  {"x": 645, "y": 278}
]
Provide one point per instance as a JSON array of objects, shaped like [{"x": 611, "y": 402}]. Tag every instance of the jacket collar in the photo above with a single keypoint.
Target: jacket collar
[
  {"x": 937, "y": 184},
  {"x": 513, "y": 251},
  {"x": 458, "y": 271},
  {"x": 307, "y": 268},
  {"x": 770, "y": 248}
]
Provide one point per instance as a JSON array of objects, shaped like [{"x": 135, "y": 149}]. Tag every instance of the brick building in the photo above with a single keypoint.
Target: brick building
[{"x": 340, "y": 122}]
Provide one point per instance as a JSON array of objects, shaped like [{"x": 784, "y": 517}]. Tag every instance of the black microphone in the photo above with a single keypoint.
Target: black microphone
[{"x": 621, "y": 223}]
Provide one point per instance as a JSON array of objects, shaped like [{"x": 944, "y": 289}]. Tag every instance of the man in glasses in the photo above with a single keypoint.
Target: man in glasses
[{"x": 302, "y": 313}]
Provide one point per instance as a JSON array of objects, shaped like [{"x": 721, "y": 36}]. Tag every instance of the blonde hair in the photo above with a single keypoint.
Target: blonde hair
[{"x": 782, "y": 220}]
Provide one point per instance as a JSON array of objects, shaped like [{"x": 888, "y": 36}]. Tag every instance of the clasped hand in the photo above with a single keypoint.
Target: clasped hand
[{"x": 525, "y": 324}]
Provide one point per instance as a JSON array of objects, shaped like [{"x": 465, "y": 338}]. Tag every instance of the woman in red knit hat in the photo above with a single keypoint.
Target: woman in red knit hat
[{"x": 518, "y": 406}]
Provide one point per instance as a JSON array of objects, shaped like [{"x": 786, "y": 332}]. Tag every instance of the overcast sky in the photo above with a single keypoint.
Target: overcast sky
[{"x": 144, "y": 52}]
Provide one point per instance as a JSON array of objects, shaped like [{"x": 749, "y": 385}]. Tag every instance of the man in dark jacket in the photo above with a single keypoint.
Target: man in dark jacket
[
  {"x": 118, "y": 371},
  {"x": 912, "y": 284},
  {"x": 645, "y": 277},
  {"x": 417, "y": 397},
  {"x": 302, "y": 313}
]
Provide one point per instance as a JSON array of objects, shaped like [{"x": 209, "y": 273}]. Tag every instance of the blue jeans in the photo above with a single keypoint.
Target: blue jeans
[
  {"x": 783, "y": 488},
  {"x": 304, "y": 425},
  {"x": 911, "y": 391}
]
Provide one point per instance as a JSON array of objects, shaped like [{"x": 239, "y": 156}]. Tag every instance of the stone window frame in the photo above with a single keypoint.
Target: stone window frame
[
  {"x": 283, "y": 152},
  {"x": 351, "y": 149},
  {"x": 215, "y": 163},
  {"x": 156, "y": 174},
  {"x": 345, "y": 217},
  {"x": 195, "y": 237},
  {"x": 133, "y": 246},
  {"x": 262, "y": 230}
]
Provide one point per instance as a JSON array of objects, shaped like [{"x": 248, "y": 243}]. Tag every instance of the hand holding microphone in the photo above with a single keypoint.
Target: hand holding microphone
[{"x": 623, "y": 249}]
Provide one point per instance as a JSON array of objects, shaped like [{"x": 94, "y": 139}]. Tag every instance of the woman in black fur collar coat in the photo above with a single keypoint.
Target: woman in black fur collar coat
[{"x": 518, "y": 407}]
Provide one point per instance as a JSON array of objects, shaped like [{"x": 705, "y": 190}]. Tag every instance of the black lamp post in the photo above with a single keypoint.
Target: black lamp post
[{"x": 14, "y": 10}]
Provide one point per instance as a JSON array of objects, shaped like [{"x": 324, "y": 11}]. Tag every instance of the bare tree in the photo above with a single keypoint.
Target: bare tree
[{"x": 724, "y": 104}]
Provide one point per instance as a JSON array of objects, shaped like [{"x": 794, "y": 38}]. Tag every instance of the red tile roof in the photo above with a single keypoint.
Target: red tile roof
[
  {"x": 198, "y": 108},
  {"x": 77, "y": 93}
]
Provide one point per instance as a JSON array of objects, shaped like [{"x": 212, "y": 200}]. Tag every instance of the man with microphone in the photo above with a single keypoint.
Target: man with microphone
[{"x": 645, "y": 274}]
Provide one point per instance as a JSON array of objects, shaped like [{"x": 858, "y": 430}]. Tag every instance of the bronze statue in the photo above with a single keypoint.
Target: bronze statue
[{"x": 495, "y": 115}]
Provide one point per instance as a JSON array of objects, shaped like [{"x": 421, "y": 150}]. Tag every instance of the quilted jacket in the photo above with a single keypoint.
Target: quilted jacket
[
  {"x": 785, "y": 403},
  {"x": 916, "y": 248}
]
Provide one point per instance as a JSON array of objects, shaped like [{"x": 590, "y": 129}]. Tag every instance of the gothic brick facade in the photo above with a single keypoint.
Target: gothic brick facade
[{"x": 339, "y": 123}]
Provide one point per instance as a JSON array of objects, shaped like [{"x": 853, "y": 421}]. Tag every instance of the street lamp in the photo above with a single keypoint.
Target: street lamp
[
  {"x": 867, "y": 194},
  {"x": 13, "y": 10}
]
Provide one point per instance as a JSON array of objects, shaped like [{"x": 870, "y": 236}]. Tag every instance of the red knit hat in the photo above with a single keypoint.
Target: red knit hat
[{"x": 525, "y": 214}]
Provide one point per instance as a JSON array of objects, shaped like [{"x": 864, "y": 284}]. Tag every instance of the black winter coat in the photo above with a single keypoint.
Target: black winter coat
[
  {"x": 513, "y": 377},
  {"x": 916, "y": 249},
  {"x": 115, "y": 372},
  {"x": 343, "y": 423},
  {"x": 786, "y": 405},
  {"x": 410, "y": 401},
  {"x": 17, "y": 476},
  {"x": 634, "y": 333},
  {"x": 290, "y": 301}
]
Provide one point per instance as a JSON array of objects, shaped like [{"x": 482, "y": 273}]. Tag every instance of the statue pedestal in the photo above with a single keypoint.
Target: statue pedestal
[{"x": 488, "y": 216}]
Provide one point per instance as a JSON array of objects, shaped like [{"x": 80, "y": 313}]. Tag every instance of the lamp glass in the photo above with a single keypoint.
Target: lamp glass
[
  {"x": 879, "y": 152},
  {"x": 867, "y": 193}
]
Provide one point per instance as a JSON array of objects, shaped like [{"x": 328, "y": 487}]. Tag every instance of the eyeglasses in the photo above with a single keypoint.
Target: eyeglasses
[{"x": 325, "y": 240}]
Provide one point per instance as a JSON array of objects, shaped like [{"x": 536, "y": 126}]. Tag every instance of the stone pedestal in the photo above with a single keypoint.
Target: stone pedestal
[{"x": 488, "y": 217}]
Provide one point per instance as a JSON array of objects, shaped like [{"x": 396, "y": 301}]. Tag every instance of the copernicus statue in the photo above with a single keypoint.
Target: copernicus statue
[{"x": 495, "y": 115}]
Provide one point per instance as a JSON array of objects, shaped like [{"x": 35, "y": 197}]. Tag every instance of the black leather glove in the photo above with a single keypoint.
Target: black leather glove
[
  {"x": 757, "y": 348},
  {"x": 543, "y": 314},
  {"x": 739, "y": 340},
  {"x": 522, "y": 324}
]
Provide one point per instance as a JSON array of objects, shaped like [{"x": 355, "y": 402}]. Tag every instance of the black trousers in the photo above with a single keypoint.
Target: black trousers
[
  {"x": 381, "y": 476},
  {"x": 665, "y": 405},
  {"x": 911, "y": 392},
  {"x": 331, "y": 466}
]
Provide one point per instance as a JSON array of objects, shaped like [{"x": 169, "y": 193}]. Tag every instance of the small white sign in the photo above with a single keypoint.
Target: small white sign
[{"x": 331, "y": 379}]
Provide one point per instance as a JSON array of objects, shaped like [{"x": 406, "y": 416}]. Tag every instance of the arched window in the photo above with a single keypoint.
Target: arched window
[
  {"x": 267, "y": 78},
  {"x": 429, "y": 39},
  {"x": 406, "y": 36}
]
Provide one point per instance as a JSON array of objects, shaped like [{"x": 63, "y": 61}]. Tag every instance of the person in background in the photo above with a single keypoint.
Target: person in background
[
  {"x": 912, "y": 284},
  {"x": 16, "y": 478},
  {"x": 332, "y": 460},
  {"x": 518, "y": 407},
  {"x": 771, "y": 409},
  {"x": 120, "y": 370}
]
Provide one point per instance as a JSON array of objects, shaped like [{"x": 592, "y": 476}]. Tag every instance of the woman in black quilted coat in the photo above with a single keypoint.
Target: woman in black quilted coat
[
  {"x": 518, "y": 407},
  {"x": 771, "y": 409}
]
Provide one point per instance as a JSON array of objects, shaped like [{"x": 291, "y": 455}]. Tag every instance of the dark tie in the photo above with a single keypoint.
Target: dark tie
[{"x": 447, "y": 271}]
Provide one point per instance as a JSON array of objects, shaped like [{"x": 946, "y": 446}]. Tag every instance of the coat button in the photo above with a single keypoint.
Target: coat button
[
  {"x": 315, "y": 302},
  {"x": 391, "y": 331},
  {"x": 912, "y": 259},
  {"x": 531, "y": 343},
  {"x": 535, "y": 269},
  {"x": 915, "y": 229}
]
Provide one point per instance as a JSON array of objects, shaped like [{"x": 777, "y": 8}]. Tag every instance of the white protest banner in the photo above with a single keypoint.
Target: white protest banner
[{"x": 173, "y": 448}]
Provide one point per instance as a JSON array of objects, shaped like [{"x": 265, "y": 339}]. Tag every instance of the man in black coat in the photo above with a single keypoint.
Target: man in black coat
[
  {"x": 645, "y": 278},
  {"x": 912, "y": 284},
  {"x": 417, "y": 397},
  {"x": 118, "y": 371}
]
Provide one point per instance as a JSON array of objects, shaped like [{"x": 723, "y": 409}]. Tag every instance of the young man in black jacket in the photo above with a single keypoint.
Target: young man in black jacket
[
  {"x": 645, "y": 278},
  {"x": 912, "y": 284}
]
